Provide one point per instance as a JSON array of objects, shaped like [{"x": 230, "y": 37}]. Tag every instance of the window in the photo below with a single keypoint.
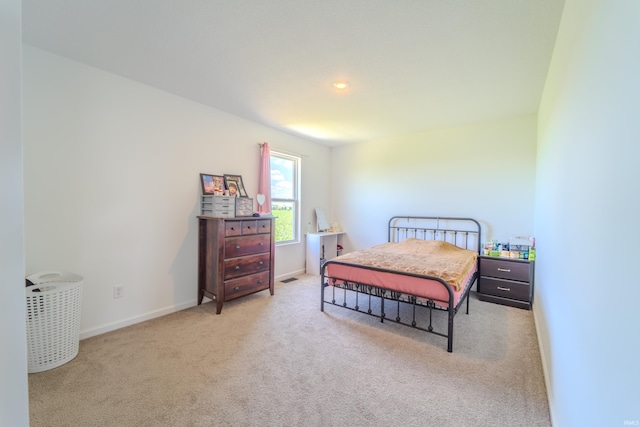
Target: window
[{"x": 285, "y": 173}]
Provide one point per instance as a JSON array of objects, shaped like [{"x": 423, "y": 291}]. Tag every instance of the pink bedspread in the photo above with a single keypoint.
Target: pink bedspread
[{"x": 439, "y": 259}]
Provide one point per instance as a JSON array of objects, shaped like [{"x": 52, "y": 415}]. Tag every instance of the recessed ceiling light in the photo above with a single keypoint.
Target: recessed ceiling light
[{"x": 340, "y": 85}]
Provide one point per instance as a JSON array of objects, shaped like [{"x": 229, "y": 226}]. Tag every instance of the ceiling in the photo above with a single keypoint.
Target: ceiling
[{"x": 411, "y": 65}]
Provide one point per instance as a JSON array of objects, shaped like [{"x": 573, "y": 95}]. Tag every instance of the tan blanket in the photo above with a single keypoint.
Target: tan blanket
[{"x": 428, "y": 257}]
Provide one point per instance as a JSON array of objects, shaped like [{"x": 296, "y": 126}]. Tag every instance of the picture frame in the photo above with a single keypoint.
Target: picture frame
[
  {"x": 212, "y": 184},
  {"x": 234, "y": 185}
]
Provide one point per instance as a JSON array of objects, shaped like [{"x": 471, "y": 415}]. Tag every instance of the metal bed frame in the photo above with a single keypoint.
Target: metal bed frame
[{"x": 462, "y": 232}]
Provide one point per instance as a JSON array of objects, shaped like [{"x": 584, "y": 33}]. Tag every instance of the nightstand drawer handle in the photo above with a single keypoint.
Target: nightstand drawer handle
[
  {"x": 237, "y": 288},
  {"x": 261, "y": 263},
  {"x": 500, "y": 288},
  {"x": 506, "y": 270},
  {"x": 237, "y": 246},
  {"x": 237, "y": 267}
]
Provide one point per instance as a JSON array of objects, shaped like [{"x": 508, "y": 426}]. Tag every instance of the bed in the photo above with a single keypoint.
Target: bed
[{"x": 428, "y": 264}]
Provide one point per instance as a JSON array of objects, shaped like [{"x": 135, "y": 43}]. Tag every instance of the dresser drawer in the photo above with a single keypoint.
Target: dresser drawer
[
  {"x": 236, "y": 267},
  {"x": 512, "y": 270},
  {"x": 240, "y": 228},
  {"x": 246, "y": 285},
  {"x": 249, "y": 227},
  {"x": 233, "y": 228},
  {"x": 505, "y": 288},
  {"x": 264, "y": 226},
  {"x": 246, "y": 245}
]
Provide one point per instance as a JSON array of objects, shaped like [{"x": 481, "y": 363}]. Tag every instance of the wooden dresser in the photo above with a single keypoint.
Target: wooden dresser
[
  {"x": 235, "y": 257},
  {"x": 506, "y": 281}
]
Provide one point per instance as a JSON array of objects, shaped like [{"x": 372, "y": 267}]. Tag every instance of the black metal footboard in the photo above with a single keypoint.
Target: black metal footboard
[{"x": 386, "y": 303}]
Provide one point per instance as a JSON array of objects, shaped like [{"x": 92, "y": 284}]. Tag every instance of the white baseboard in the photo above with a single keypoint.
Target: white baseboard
[
  {"x": 290, "y": 274},
  {"x": 135, "y": 319},
  {"x": 158, "y": 313},
  {"x": 545, "y": 367}
]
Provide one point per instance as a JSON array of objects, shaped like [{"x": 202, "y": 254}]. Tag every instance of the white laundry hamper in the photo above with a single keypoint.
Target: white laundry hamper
[{"x": 53, "y": 319}]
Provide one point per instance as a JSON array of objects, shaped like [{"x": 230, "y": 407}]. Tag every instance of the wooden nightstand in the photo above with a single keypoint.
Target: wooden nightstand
[{"x": 506, "y": 281}]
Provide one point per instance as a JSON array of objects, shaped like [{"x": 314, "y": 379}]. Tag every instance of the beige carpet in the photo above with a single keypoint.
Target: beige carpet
[{"x": 279, "y": 361}]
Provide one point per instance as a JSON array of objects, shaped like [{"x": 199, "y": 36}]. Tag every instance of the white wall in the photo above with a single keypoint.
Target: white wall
[
  {"x": 484, "y": 171},
  {"x": 587, "y": 201},
  {"x": 112, "y": 185},
  {"x": 14, "y": 409}
]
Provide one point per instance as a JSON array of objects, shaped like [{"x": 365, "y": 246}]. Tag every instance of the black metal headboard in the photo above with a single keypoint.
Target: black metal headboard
[{"x": 462, "y": 232}]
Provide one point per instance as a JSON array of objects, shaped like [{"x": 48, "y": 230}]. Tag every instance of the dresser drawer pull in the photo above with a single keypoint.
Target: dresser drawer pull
[
  {"x": 249, "y": 227},
  {"x": 506, "y": 270},
  {"x": 237, "y": 246},
  {"x": 500, "y": 288},
  {"x": 237, "y": 268},
  {"x": 237, "y": 288},
  {"x": 261, "y": 263},
  {"x": 261, "y": 244},
  {"x": 259, "y": 282}
]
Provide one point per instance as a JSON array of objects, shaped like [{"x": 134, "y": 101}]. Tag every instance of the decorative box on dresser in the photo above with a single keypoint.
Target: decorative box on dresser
[
  {"x": 235, "y": 257},
  {"x": 506, "y": 281},
  {"x": 220, "y": 206}
]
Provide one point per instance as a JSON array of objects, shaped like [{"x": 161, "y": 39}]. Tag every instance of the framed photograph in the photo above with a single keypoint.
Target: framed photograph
[
  {"x": 234, "y": 184},
  {"x": 212, "y": 184},
  {"x": 232, "y": 187}
]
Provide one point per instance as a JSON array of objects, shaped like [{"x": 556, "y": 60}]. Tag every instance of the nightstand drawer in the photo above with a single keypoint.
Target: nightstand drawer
[
  {"x": 505, "y": 288},
  {"x": 511, "y": 270}
]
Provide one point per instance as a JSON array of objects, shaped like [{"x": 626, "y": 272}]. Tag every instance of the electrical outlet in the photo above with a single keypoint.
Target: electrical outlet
[{"x": 118, "y": 291}]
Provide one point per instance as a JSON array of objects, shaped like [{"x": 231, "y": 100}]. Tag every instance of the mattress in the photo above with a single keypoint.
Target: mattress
[{"x": 436, "y": 259}]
